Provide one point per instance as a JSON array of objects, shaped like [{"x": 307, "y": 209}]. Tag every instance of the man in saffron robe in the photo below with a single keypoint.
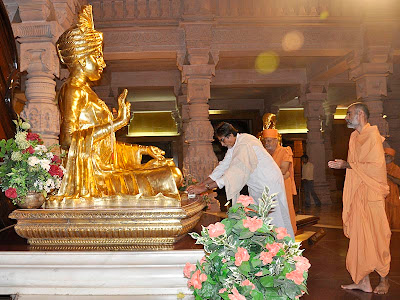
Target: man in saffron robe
[
  {"x": 247, "y": 163},
  {"x": 364, "y": 218},
  {"x": 283, "y": 157},
  {"x": 392, "y": 201}
]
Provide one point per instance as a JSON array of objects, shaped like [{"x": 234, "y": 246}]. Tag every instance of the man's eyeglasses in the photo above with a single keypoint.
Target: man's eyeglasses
[{"x": 221, "y": 140}]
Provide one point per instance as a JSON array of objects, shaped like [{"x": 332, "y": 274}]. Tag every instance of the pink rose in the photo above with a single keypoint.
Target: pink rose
[
  {"x": 245, "y": 200},
  {"x": 189, "y": 268},
  {"x": 197, "y": 279},
  {"x": 302, "y": 263},
  {"x": 253, "y": 223},
  {"x": 216, "y": 229},
  {"x": 266, "y": 257},
  {"x": 259, "y": 273},
  {"x": 248, "y": 282},
  {"x": 11, "y": 193},
  {"x": 221, "y": 291},
  {"x": 296, "y": 276},
  {"x": 235, "y": 295},
  {"x": 282, "y": 232},
  {"x": 224, "y": 260},
  {"x": 241, "y": 256},
  {"x": 203, "y": 260},
  {"x": 273, "y": 248}
]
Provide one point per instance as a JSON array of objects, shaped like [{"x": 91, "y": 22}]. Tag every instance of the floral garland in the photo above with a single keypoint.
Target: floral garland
[
  {"x": 247, "y": 257},
  {"x": 28, "y": 165}
]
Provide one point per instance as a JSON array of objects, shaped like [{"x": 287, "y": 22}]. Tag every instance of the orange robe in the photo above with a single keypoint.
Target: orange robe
[
  {"x": 392, "y": 200},
  {"x": 364, "y": 217},
  {"x": 280, "y": 155}
]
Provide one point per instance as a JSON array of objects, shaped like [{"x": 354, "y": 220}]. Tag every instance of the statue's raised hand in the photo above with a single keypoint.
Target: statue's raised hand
[
  {"x": 124, "y": 111},
  {"x": 156, "y": 152}
]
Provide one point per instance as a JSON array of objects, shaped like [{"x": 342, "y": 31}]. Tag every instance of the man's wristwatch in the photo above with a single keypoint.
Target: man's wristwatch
[{"x": 207, "y": 186}]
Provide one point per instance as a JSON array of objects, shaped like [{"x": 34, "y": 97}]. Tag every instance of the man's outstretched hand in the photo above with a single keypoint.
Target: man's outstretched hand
[
  {"x": 338, "y": 164},
  {"x": 196, "y": 189}
]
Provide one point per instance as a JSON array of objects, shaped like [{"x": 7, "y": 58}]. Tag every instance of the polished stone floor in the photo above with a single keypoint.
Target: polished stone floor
[{"x": 328, "y": 257}]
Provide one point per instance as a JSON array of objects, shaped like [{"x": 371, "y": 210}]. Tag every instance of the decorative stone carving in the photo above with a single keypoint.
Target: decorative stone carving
[
  {"x": 370, "y": 74},
  {"x": 41, "y": 63},
  {"x": 200, "y": 159},
  {"x": 313, "y": 99},
  {"x": 37, "y": 33}
]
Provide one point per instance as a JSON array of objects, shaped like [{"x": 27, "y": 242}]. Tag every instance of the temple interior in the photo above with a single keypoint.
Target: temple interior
[{"x": 189, "y": 65}]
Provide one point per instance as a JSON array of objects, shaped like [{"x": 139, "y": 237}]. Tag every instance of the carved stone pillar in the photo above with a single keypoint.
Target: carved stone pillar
[
  {"x": 371, "y": 83},
  {"x": 200, "y": 159},
  {"x": 183, "y": 107},
  {"x": 328, "y": 126},
  {"x": 313, "y": 100},
  {"x": 40, "y": 61},
  {"x": 197, "y": 64},
  {"x": 391, "y": 108},
  {"x": 37, "y": 34}
]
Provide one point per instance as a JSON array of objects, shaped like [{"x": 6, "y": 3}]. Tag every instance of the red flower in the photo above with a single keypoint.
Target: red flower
[
  {"x": 11, "y": 193},
  {"x": 29, "y": 149},
  {"x": 56, "y": 159},
  {"x": 32, "y": 136},
  {"x": 56, "y": 171}
]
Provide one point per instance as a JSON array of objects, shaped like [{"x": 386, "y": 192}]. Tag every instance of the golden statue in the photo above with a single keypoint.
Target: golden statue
[
  {"x": 125, "y": 204},
  {"x": 100, "y": 170},
  {"x": 269, "y": 121}
]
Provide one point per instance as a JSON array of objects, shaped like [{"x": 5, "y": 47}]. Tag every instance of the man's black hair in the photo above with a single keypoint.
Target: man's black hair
[
  {"x": 225, "y": 129},
  {"x": 304, "y": 156}
]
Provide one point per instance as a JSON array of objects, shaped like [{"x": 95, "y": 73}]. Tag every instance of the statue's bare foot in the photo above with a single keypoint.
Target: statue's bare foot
[
  {"x": 383, "y": 286},
  {"x": 364, "y": 285}
]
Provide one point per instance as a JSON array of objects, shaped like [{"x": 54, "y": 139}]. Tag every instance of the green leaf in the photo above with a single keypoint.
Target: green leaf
[
  {"x": 271, "y": 292},
  {"x": 256, "y": 295},
  {"x": 246, "y": 234},
  {"x": 245, "y": 267},
  {"x": 235, "y": 215},
  {"x": 255, "y": 262},
  {"x": 267, "y": 281},
  {"x": 225, "y": 296}
]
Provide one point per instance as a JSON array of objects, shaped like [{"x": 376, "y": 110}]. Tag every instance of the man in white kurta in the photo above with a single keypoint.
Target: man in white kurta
[{"x": 248, "y": 163}]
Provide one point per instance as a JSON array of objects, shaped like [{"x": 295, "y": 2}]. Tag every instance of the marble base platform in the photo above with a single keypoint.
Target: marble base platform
[{"x": 95, "y": 275}]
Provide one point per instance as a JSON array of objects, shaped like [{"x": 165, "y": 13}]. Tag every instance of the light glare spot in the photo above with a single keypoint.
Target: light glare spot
[
  {"x": 267, "y": 62},
  {"x": 324, "y": 15},
  {"x": 293, "y": 40}
]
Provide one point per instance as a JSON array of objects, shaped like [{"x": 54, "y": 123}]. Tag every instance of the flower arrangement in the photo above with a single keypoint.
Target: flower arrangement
[
  {"x": 247, "y": 257},
  {"x": 28, "y": 165},
  {"x": 188, "y": 181}
]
